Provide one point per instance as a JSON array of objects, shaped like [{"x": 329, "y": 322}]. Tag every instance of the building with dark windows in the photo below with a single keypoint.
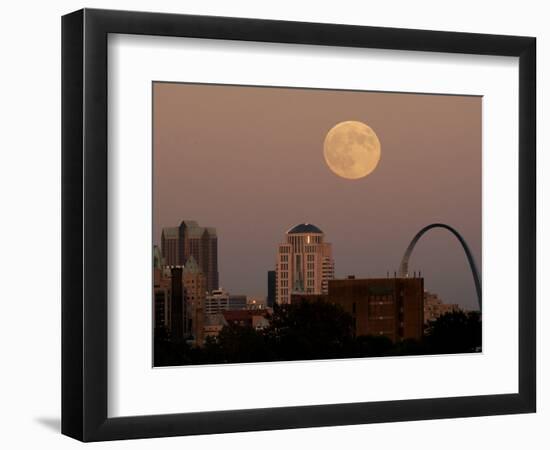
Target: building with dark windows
[
  {"x": 391, "y": 307},
  {"x": 271, "y": 287},
  {"x": 178, "y": 309}
]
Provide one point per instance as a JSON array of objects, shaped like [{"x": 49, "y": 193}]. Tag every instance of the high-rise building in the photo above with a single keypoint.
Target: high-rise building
[
  {"x": 194, "y": 282},
  {"x": 304, "y": 263},
  {"x": 169, "y": 243},
  {"x": 391, "y": 307},
  {"x": 190, "y": 239},
  {"x": 271, "y": 287}
]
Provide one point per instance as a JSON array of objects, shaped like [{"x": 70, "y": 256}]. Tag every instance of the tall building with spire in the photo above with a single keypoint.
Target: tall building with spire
[
  {"x": 304, "y": 263},
  {"x": 190, "y": 239}
]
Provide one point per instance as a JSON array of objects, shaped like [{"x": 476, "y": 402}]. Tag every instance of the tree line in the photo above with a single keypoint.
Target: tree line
[{"x": 316, "y": 330}]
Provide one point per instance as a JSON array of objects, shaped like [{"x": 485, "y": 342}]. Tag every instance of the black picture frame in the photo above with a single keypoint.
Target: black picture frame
[{"x": 84, "y": 224}]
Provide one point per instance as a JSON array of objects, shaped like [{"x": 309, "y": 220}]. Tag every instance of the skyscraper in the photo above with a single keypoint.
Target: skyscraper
[
  {"x": 169, "y": 244},
  {"x": 304, "y": 263},
  {"x": 190, "y": 239}
]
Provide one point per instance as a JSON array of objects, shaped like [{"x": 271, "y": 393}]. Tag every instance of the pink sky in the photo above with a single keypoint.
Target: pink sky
[{"x": 249, "y": 161}]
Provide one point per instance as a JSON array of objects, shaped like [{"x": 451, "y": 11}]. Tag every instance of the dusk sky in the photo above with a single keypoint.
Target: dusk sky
[{"x": 249, "y": 162}]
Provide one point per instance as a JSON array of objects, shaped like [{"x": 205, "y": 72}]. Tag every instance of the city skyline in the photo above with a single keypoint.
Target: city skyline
[{"x": 253, "y": 189}]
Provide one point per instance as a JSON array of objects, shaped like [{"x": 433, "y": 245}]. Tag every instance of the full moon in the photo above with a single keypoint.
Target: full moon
[{"x": 352, "y": 150}]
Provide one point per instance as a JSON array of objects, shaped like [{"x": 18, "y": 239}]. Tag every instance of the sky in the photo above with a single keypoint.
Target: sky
[{"x": 249, "y": 162}]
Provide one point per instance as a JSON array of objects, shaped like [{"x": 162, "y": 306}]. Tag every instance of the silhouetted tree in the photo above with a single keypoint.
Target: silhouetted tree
[
  {"x": 316, "y": 330},
  {"x": 239, "y": 343},
  {"x": 454, "y": 332},
  {"x": 372, "y": 346},
  {"x": 309, "y": 330}
]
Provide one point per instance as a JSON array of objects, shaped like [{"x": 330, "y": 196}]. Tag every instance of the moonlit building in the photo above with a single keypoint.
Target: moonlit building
[{"x": 304, "y": 263}]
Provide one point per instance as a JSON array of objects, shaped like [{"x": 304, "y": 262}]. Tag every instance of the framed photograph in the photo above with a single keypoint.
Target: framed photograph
[{"x": 273, "y": 224}]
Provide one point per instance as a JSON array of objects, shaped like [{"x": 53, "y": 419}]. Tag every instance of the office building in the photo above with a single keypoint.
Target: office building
[
  {"x": 169, "y": 242},
  {"x": 304, "y": 263},
  {"x": 391, "y": 307},
  {"x": 190, "y": 239}
]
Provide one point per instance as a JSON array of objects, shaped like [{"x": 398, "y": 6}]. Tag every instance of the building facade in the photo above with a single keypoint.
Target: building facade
[
  {"x": 435, "y": 308},
  {"x": 304, "y": 263},
  {"x": 194, "y": 283},
  {"x": 220, "y": 300},
  {"x": 190, "y": 239},
  {"x": 391, "y": 307},
  {"x": 169, "y": 243}
]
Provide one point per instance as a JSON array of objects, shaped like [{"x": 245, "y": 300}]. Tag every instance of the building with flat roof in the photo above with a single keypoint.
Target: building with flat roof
[
  {"x": 220, "y": 300},
  {"x": 391, "y": 307}
]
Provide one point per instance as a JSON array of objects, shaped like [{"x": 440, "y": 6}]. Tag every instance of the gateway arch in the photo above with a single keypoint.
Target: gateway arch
[{"x": 404, "y": 266}]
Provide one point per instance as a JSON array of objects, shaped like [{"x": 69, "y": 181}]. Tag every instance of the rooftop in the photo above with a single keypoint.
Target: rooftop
[{"x": 304, "y": 228}]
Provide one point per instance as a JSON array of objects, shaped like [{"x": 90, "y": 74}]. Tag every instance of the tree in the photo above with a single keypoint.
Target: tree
[
  {"x": 454, "y": 332},
  {"x": 309, "y": 330},
  {"x": 372, "y": 346},
  {"x": 238, "y": 343}
]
